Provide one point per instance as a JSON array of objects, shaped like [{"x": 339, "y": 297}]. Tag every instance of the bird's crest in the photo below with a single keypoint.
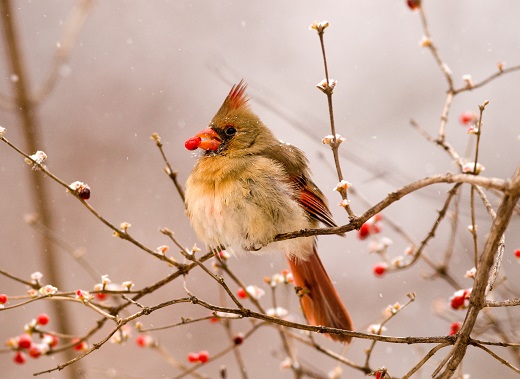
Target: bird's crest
[{"x": 235, "y": 100}]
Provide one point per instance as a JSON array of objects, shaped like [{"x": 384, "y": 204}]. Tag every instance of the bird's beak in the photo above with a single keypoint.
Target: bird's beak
[{"x": 208, "y": 139}]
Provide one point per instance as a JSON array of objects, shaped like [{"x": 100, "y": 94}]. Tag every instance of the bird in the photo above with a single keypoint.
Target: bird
[{"x": 246, "y": 188}]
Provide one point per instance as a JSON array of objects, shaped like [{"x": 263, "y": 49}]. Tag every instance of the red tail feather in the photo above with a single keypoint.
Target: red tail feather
[{"x": 321, "y": 303}]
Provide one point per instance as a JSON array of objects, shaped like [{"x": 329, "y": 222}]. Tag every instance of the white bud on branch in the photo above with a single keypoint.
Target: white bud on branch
[
  {"x": 327, "y": 87},
  {"x": 319, "y": 26},
  {"x": 329, "y": 139}
]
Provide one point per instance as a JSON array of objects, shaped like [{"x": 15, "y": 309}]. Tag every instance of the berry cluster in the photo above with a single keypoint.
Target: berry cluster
[
  {"x": 202, "y": 357},
  {"x": 24, "y": 344}
]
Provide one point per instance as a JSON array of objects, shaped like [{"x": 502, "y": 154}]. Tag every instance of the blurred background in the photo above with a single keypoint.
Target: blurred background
[{"x": 137, "y": 68}]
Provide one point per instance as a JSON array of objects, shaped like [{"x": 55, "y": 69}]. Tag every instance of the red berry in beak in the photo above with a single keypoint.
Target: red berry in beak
[
  {"x": 192, "y": 143},
  {"x": 208, "y": 139}
]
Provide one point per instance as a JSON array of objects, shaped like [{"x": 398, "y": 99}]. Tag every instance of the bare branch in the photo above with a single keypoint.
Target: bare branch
[{"x": 396, "y": 195}]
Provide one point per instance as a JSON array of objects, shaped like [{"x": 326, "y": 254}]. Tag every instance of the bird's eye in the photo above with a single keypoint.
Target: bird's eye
[{"x": 230, "y": 131}]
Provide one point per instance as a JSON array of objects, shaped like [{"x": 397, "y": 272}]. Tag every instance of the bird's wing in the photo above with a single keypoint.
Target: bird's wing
[
  {"x": 307, "y": 193},
  {"x": 312, "y": 200}
]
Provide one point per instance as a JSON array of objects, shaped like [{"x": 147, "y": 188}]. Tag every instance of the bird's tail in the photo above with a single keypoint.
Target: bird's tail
[{"x": 320, "y": 301}]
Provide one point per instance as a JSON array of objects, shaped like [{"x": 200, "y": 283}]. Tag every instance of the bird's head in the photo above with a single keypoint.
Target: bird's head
[{"x": 235, "y": 130}]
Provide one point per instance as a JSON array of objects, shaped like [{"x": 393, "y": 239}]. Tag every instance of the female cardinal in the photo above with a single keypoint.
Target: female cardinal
[{"x": 247, "y": 187}]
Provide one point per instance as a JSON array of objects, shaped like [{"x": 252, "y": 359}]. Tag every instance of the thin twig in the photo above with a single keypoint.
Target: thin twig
[
  {"x": 328, "y": 89},
  {"x": 393, "y": 313},
  {"x": 500, "y": 72},
  {"x": 440, "y": 142},
  {"x": 448, "y": 253},
  {"x": 431, "y": 234},
  {"x": 226, "y": 324},
  {"x": 472, "y": 192},
  {"x": 169, "y": 171},
  {"x": 31, "y": 284},
  {"x": 498, "y": 358},
  {"x": 425, "y": 359},
  {"x": 435, "y": 52},
  {"x": 503, "y": 303},
  {"x": 283, "y": 336}
]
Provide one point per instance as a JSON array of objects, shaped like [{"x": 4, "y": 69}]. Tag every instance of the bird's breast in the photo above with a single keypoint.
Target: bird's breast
[{"x": 243, "y": 208}]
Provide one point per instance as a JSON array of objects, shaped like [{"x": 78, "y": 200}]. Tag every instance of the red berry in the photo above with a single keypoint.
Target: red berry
[
  {"x": 24, "y": 341},
  {"x": 3, "y": 298},
  {"x": 454, "y": 328},
  {"x": 378, "y": 217},
  {"x": 141, "y": 340},
  {"x": 214, "y": 320},
  {"x": 457, "y": 302},
  {"x": 193, "y": 357},
  {"x": 192, "y": 143},
  {"x": 517, "y": 253},
  {"x": 223, "y": 254},
  {"x": 35, "y": 352},
  {"x": 413, "y": 4},
  {"x": 241, "y": 293},
  {"x": 364, "y": 231},
  {"x": 52, "y": 340},
  {"x": 144, "y": 340},
  {"x": 42, "y": 319},
  {"x": 467, "y": 118},
  {"x": 203, "y": 356},
  {"x": 84, "y": 193},
  {"x": 19, "y": 358},
  {"x": 79, "y": 346},
  {"x": 238, "y": 339},
  {"x": 101, "y": 296},
  {"x": 380, "y": 269}
]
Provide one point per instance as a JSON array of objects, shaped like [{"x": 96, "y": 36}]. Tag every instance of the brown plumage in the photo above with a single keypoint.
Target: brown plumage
[{"x": 247, "y": 187}]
